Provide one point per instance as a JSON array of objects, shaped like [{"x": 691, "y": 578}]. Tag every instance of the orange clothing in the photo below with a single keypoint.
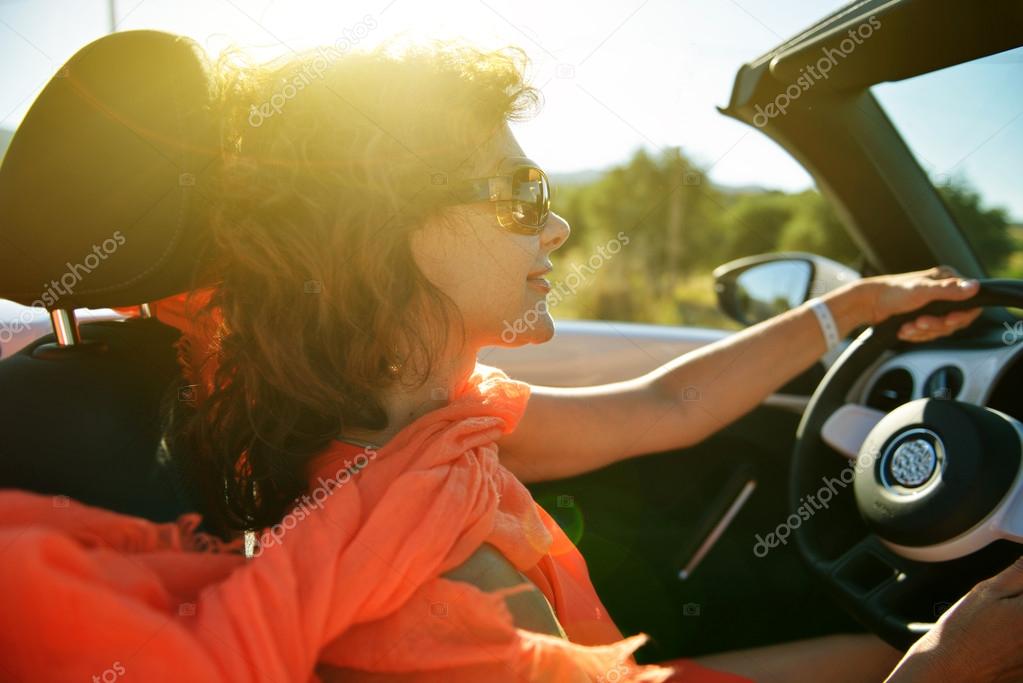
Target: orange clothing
[{"x": 350, "y": 577}]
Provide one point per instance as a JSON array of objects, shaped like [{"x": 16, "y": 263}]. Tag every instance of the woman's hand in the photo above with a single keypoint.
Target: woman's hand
[
  {"x": 888, "y": 295},
  {"x": 976, "y": 640}
]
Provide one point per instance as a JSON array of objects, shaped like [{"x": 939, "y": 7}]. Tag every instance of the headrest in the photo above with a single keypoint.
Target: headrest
[{"x": 106, "y": 181}]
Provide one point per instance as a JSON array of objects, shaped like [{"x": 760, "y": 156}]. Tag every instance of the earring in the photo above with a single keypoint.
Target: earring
[{"x": 394, "y": 367}]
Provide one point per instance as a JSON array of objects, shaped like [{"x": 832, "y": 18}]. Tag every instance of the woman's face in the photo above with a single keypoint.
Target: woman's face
[{"x": 492, "y": 274}]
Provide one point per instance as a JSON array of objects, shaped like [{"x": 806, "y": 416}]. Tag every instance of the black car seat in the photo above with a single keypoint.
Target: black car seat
[{"x": 102, "y": 196}]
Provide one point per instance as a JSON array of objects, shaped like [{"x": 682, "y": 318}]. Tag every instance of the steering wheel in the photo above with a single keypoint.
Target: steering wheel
[{"x": 936, "y": 499}]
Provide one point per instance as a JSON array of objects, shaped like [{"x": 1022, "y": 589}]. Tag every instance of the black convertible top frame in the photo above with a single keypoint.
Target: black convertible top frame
[{"x": 837, "y": 130}]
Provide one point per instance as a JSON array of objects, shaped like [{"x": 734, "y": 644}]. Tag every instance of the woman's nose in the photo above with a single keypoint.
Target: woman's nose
[{"x": 555, "y": 232}]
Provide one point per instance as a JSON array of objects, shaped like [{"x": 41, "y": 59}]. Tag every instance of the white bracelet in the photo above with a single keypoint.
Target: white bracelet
[{"x": 827, "y": 321}]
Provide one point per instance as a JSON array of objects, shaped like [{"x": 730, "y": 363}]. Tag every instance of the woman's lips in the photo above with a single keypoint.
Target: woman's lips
[{"x": 539, "y": 283}]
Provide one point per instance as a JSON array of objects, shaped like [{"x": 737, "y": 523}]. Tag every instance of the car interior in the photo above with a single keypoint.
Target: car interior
[{"x": 672, "y": 539}]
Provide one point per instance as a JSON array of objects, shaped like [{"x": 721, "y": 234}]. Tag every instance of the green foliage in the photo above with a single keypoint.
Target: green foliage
[
  {"x": 814, "y": 227},
  {"x": 678, "y": 227},
  {"x": 987, "y": 230}
]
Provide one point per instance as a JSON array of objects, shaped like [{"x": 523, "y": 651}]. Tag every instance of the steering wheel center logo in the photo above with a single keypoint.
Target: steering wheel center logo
[{"x": 912, "y": 460}]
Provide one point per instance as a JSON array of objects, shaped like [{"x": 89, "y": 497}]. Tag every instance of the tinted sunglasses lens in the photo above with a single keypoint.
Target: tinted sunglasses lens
[{"x": 531, "y": 197}]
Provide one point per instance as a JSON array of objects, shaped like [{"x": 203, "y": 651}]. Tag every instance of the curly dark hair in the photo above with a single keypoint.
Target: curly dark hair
[{"x": 330, "y": 162}]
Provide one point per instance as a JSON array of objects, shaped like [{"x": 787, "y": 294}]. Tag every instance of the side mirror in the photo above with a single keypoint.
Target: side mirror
[{"x": 755, "y": 288}]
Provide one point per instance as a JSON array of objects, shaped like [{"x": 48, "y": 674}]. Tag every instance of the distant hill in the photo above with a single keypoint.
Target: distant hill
[
  {"x": 744, "y": 189},
  {"x": 576, "y": 177},
  {"x": 590, "y": 175}
]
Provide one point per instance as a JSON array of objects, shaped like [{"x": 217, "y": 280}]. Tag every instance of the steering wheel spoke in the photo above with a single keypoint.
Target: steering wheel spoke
[
  {"x": 867, "y": 569},
  {"x": 847, "y": 428}
]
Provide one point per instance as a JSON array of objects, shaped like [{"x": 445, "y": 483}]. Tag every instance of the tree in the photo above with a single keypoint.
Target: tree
[
  {"x": 986, "y": 229},
  {"x": 754, "y": 224},
  {"x": 815, "y": 227}
]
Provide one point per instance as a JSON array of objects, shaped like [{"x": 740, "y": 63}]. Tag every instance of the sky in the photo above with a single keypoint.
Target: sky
[
  {"x": 966, "y": 122},
  {"x": 615, "y": 76}
]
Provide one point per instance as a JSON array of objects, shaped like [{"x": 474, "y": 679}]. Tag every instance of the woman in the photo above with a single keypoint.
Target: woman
[
  {"x": 412, "y": 278},
  {"x": 360, "y": 265}
]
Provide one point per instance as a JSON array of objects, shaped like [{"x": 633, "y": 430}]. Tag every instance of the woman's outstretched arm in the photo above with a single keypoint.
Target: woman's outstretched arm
[{"x": 567, "y": 431}]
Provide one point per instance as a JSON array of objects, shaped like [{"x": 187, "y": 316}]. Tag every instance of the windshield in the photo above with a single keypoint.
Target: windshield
[{"x": 964, "y": 124}]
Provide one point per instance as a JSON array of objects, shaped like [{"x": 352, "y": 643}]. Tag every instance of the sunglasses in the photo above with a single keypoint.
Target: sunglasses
[{"x": 520, "y": 191}]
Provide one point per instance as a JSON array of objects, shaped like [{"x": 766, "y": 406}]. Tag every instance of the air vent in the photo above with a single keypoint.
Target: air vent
[
  {"x": 891, "y": 390},
  {"x": 945, "y": 382}
]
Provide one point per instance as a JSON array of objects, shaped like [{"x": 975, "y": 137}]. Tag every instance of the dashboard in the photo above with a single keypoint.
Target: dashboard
[{"x": 986, "y": 372}]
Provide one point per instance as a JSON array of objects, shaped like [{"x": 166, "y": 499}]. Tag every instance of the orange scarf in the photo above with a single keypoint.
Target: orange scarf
[{"x": 350, "y": 577}]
